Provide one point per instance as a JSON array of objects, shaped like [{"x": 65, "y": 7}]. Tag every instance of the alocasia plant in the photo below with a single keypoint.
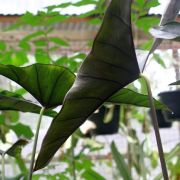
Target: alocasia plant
[{"x": 110, "y": 66}]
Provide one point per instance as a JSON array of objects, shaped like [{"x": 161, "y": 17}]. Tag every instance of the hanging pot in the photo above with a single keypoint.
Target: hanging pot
[
  {"x": 106, "y": 120},
  {"x": 162, "y": 122},
  {"x": 172, "y": 100}
]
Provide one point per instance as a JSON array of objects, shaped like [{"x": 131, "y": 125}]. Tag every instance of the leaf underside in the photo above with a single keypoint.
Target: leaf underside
[
  {"x": 170, "y": 31},
  {"x": 47, "y": 83},
  {"x": 169, "y": 15},
  {"x": 110, "y": 66},
  {"x": 13, "y": 101}
]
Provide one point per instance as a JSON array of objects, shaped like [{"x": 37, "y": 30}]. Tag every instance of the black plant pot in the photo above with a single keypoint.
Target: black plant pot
[
  {"x": 172, "y": 100},
  {"x": 105, "y": 128},
  {"x": 161, "y": 120}
]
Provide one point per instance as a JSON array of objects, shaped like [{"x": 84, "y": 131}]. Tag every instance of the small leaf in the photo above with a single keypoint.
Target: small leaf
[
  {"x": 169, "y": 15},
  {"x": 120, "y": 163},
  {"x": 159, "y": 60},
  {"x": 47, "y": 83},
  {"x": 42, "y": 56},
  {"x": 146, "y": 23},
  {"x": 16, "y": 148},
  {"x": 19, "y": 58},
  {"x": 170, "y": 31},
  {"x": 58, "y": 41},
  {"x": 22, "y": 130}
]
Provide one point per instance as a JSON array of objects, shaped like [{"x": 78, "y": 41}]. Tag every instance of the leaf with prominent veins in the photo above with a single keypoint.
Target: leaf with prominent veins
[
  {"x": 110, "y": 66},
  {"x": 47, "y": 83}
]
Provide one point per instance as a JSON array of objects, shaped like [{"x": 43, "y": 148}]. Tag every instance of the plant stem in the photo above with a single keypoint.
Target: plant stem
[
  {"x": 73, "y": 160},
  {"x": 35, "y": 143},
  {"x": 3, "y": 166},
  {"x": 156, "y": 129}
]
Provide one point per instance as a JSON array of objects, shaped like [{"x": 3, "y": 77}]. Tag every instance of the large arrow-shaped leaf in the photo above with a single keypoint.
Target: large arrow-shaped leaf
[
  {"x": 47, "y": 83},
  {"x": 110, "y": 66},
  {"x": 13, "y": 101}
]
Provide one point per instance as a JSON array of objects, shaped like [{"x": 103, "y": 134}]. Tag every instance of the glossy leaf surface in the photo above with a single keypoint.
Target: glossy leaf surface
[
  {"x": 110, "y": 66},
  {"x": 13, "y": 101},
  {"x": 47, "y": 83}
]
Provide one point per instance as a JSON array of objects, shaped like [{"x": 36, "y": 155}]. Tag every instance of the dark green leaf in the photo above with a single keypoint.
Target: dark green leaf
[
  {"x": 127, "y": 96},
  {"x": 47, "y": 83},
  {"x": 22, "y": 130},
  {"x": 33, "y": 35},
  {"x": 31, "y": 19},
  {"x": 85, "y": 2},
  {"x": 110, "y": 66},
  {"x": 13, "y": 101},
  {"x": 170, "y": 31},
  {"x": 16, "y": 148},
  {"x": 95, "y": 21},
  {"x": 6, "y": 58},
  {"x": 120, "y": 163},
  {"x": 20, "y": 91}
]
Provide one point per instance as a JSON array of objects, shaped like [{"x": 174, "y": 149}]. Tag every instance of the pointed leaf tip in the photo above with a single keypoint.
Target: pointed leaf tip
[{"x": 110, "y": 66}]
